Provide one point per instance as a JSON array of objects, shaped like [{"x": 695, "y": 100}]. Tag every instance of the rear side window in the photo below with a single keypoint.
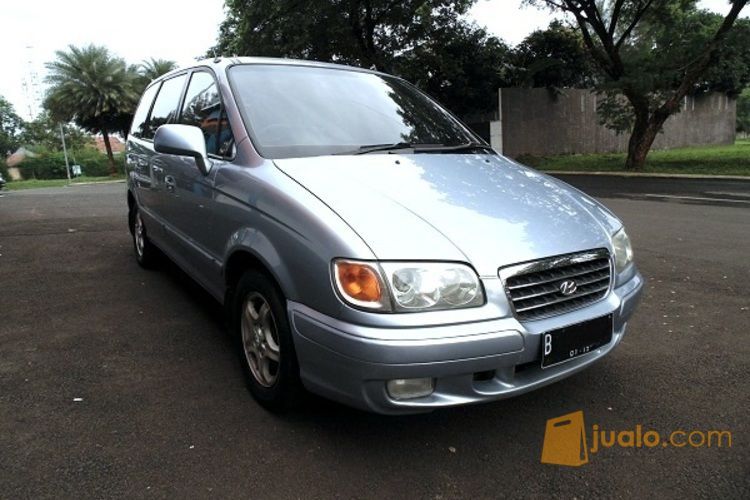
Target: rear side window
[
  {"x": 141, "y": 114},
  {"x": 203, "y": 109},
  {"x": 165, "y": 107}
]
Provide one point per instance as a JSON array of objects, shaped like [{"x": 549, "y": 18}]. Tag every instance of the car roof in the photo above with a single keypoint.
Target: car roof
[{"x": 225, "y": 62}]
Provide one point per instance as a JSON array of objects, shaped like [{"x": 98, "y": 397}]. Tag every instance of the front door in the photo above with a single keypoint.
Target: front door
[
  {"x": 190, "y": 194},
  {"x": 154, "y": 166}
]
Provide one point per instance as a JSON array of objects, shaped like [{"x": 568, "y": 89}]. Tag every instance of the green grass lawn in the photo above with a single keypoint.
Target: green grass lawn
[
  {"x": 707, "y": 160},
  {"x": 46, "y": 183}
]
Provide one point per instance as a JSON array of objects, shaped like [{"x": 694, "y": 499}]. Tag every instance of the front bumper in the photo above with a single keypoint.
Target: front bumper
[{"x": 351, "y": 363}]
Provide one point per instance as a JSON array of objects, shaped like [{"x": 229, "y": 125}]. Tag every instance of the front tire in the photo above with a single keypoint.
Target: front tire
[{"x": 265, "y": 342}]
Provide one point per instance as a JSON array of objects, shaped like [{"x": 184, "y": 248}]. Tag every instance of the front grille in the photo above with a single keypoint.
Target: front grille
[{"x": 534, "y": 288}]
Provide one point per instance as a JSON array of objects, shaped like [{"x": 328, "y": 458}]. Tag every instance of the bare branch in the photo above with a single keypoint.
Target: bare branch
[
  {"x": 601, "y": 57},
  {"x": 553, "y": 3},
  {"x": 613, "y": 66}
]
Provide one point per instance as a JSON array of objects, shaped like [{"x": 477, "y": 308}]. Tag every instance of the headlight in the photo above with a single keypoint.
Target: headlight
[
  {"x": 623, "y": 250},
  {"x": 411, "y": 286},
  {"x": 430, "y": 285}
]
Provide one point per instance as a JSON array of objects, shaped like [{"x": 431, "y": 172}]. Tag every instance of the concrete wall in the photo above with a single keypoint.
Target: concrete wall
[{"x": 534, "y": 122}]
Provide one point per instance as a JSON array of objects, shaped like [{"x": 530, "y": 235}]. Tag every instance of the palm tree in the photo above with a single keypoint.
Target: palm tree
[
  {"x": 92, "y": 88},
  {"x": 149, "y": 70},
  {"x": 152, "y": 69}
]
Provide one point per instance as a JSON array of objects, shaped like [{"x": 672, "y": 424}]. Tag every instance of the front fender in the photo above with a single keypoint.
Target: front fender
[{"x": 257, "y": 244}]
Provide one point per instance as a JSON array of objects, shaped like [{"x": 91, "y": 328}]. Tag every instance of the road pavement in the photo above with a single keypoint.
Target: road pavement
[{"x": 117, "y": 382}]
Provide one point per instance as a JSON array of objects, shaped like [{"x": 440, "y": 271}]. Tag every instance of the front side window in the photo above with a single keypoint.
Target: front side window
[
  {"x": 165, "y": 106},
  {"x": 141, "y": 114},
  {"x": 203, "y": 109},
  {"x": 296, "y": 111}
]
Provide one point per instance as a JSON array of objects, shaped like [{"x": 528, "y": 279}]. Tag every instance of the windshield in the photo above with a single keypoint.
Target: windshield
[{"x": 297, "y": 111}]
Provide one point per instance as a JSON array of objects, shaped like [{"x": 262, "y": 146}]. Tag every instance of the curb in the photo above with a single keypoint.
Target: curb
[
  {"x": 652, "y": 175},
  {"x": 118, "y": 181}
]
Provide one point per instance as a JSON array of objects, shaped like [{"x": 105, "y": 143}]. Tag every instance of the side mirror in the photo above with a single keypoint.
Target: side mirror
[{"x": 183, "y": 140}]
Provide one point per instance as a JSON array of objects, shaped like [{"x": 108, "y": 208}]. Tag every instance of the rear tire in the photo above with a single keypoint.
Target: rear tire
[
  {"x": 146, "y": 254},
  {"x": 265, "y": 343}
]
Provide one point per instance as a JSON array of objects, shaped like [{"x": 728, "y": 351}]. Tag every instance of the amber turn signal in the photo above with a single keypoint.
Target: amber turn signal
[{"x": 359, "y": 282}]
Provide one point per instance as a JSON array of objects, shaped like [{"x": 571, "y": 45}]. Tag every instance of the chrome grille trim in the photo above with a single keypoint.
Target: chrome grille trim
[
  {"x": 533, "y": 290},
  {"x": 602, "y": 268},
  {"x": 552, "y": 288},
  {"x": 557, "y": 301}
]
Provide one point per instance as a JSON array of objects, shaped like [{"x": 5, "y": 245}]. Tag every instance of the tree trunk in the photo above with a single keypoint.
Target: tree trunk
[
  {"x": 641, "y": 140},
  {"x": 112, "y": 166},
  {"x": 637, "y": 147}
]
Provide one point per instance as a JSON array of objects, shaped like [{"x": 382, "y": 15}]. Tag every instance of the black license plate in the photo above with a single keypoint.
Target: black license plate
[{"x": 575, "y": 340}]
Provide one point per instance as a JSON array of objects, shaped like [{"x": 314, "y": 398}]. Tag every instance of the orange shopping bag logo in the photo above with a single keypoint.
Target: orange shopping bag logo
[{"x": 565, "y": 441}]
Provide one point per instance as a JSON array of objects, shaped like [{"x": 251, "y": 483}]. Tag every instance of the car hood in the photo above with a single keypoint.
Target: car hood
[{"x": 484, "y": 209}]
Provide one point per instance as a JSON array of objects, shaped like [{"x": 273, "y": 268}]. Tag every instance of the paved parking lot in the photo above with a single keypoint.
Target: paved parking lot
[{"x": 118, "y": 382}]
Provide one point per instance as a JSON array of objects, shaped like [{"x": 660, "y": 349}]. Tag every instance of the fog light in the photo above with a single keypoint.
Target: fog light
[{"x": 410, "y": 388}]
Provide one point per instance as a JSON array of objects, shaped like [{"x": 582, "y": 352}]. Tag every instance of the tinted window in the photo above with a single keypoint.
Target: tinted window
[
  {"x": 203, "y": 109},
  {"x": 304, "y": 111},
  {"x": 139, "y": 120},
  {"x": 165, "y": 107}
]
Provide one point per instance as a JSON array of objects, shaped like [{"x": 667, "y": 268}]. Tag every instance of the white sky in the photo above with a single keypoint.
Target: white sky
[{"x": 32, "y": 30}]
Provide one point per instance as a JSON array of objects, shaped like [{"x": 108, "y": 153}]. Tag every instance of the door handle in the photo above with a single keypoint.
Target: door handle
[
  {"x": 170, "y": 183},
  {"x": 157, "y": 170}
]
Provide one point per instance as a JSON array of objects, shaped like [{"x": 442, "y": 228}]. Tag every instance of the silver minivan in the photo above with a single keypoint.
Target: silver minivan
[{"x": 367, "y": 246}]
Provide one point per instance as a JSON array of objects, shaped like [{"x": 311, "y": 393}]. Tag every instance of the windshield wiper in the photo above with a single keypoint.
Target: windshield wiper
[
  {"x": 373, "y": 148},
  {"x": 466, "y": 147},
  {"x": 418, "y": 148},
  {"x": 424, "y": 148}
]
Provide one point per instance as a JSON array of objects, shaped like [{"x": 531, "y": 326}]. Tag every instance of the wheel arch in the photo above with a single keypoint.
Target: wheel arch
[{"x": 243, "y": 259}]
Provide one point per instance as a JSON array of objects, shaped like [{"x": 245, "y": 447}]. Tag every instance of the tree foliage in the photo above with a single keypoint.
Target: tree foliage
[
  {"x": 426, "y": 41},
  {"x": 367, "y": 33},
  {"x": 152, "y": 68},
  {"x": 681, "y": 32},
  {"x": 93, "y": 89},
  {"x": 730, "y": 73},
  {"x": 97, "y": 90},
  {"x": 460, "y": 65},
  {"x": 10, "y": 128},
  {"x": 149, "y": 70},
  {"x": 555, "y": 57},
  {"x": 653, "y": 53},
  {"x": 44, "y": 133}
]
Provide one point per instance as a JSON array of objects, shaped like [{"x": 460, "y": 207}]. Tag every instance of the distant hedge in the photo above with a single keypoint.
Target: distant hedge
[{"x": 51, "y": 165}]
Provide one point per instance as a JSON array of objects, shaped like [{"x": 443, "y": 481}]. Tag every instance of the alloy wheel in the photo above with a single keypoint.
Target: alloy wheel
[
  {"x": 260, "y": 339},
  {"x": 138, "y": 234}
]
